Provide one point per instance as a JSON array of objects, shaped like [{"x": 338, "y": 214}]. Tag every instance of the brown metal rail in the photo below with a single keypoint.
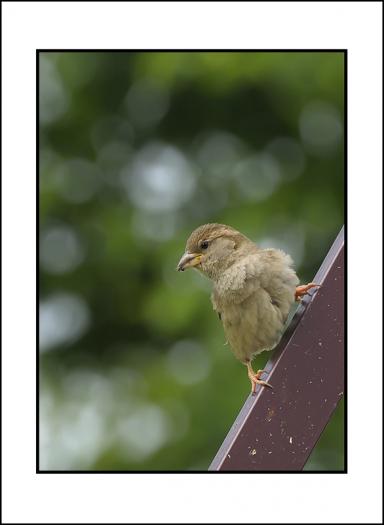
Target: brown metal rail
[{"x": 276, "y": 430}]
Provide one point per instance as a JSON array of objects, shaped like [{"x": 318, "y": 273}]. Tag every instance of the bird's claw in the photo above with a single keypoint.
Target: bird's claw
[
  {"x": 255, "y": 379},
  {"x": 259, "y": 382},
  {"x": 303, "y": 289}
]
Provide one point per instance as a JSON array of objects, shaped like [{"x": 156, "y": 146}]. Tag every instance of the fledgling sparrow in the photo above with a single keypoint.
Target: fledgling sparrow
[{"x": 253, "y": 289}]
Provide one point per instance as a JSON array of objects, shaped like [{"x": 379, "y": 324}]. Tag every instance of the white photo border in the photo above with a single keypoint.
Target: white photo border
[{"x": 192, "y": 498}]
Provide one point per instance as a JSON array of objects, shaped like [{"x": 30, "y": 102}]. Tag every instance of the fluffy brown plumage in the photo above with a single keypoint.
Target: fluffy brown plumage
[{"x": 253, "y": 288}]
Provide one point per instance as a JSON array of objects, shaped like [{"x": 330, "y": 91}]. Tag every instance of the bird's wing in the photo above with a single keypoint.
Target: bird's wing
[
  {"x": 278, "y": 278},
  {"x": 269, "y": 270}
]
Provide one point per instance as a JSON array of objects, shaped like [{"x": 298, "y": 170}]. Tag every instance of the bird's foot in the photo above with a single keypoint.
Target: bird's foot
[
  {"x": 303, "y": 289},
  {"x": 255, "y": 378}
]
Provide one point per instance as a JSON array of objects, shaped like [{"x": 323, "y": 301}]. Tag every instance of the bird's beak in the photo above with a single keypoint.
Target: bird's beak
[{"x": 188, "y": 260}]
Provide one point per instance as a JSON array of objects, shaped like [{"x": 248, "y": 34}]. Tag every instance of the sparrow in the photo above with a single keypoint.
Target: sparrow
[{"x": 253, "y": 289}]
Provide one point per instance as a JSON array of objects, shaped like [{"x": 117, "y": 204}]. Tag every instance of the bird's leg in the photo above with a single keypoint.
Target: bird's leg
[
  {"x": 255, "y": 377},
  {"x": 303, "y": 289}
]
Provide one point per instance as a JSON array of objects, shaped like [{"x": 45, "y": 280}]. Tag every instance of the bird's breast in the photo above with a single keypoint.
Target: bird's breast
[{"x": 253, "y": 325}]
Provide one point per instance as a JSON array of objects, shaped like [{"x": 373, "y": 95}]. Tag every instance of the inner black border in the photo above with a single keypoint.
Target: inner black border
[{"x": 345, "y": 119}]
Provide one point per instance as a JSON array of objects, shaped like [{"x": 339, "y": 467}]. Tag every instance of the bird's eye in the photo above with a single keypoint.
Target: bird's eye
[{"x": 204, "y": 245}]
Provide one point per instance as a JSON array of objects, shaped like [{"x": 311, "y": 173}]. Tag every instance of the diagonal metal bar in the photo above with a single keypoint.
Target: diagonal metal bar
[{"x": 276, "y": 430}]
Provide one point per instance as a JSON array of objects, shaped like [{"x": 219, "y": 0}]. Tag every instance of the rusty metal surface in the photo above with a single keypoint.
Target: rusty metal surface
[{"x": 277, "y": 429}]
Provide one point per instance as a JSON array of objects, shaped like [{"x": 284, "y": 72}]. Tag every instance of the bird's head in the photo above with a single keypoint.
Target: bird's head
[{"x": 212, "y": 248}]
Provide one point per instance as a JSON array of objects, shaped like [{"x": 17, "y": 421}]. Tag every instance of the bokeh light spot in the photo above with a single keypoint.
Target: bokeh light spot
[
  {"x": 320, "y": 128},
  {"x": 53, "y": 99},
  {"x": 154, "y": 226},
  {"x": 71, "y": 435},
  {"x": 61, "y": 250},
  {"x": 143, "y": 432},
  {"x": 291, "y": 240},
  {"x": 218, "y": 152},
  {"x": 257, "y": 177},
  {"x": 188, "y": 362},
  {"x": 146, "y": 102},
  {"x": 290, "y": 156},
  {"x": 77, "y": 180},
  {"x": 161, "y": 178},
  {"x": 64, "y": 318}
]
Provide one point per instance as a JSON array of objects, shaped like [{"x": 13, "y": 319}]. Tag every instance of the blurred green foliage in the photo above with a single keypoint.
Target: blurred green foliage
[{"x": 136, "y": 150}]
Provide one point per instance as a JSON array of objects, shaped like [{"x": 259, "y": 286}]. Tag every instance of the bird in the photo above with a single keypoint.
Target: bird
[{"x": 254, "y": 289}]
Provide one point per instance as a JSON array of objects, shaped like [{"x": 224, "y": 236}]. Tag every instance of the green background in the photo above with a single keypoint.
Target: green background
[{"x": 137, "y": 150}]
